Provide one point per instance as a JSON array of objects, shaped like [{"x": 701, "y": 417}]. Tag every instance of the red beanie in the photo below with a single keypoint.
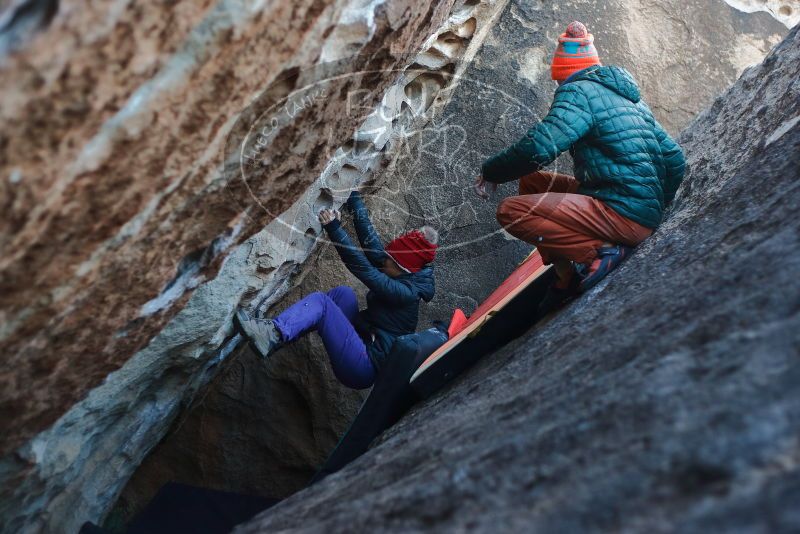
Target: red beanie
[
  {"x": 415, "y": 249},
  {"x": 575, "y": 52}
]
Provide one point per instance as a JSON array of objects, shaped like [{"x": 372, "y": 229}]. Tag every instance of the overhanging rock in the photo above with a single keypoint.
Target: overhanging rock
[
  {"x": 667, "y": 398},
  {"x": 264, "y": 429},
  {"x": 126, "y": 244}
]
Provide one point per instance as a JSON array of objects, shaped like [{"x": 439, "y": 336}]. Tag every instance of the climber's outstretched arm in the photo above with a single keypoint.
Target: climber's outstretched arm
[
  {"x": 367, "y": 236},
  {"x": 389, "y": 289}
]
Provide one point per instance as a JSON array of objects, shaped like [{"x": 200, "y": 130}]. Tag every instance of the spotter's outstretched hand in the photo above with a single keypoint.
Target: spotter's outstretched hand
[{"x": 483, "y": 187}]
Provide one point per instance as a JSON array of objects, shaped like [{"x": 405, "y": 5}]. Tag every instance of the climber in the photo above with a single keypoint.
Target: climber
[
  {"x": 397, "y": 277},
  {"x": 626, "y": 167}
]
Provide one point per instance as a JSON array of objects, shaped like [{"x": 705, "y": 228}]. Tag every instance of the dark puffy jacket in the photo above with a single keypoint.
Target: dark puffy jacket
[
  {"x": 622, "y": 155},
  {"x": 392, "y": 303}
]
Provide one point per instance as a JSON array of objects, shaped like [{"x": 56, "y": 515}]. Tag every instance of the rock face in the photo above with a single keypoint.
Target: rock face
[
  {"x": 91, "y": 194},
  {"x": 294, "y": 407},
  {"x": 667, "y": 399},
  {"x": 118, "y": 202},
  {"x": 146, "y": 192},
  {"x": 265, "y": 429},
  {"x": 786, "y": 11}
]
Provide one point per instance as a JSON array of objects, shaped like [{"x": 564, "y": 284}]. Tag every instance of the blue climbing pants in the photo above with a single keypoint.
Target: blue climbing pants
[{"x": 332, "y": 314}]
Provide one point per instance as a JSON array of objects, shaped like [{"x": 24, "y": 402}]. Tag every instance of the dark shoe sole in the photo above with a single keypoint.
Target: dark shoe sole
[{"x": 237, "y": 322}]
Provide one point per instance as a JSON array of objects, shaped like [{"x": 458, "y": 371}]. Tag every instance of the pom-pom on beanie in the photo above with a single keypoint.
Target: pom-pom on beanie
[{"x": 575, "y": 52}]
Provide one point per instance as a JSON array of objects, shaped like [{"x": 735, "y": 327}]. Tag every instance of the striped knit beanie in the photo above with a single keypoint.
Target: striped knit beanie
[{"x": 575, "y": 52}]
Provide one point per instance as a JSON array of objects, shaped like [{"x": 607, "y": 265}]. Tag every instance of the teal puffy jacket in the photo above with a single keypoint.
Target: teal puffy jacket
[{"x": 622, "y": 155}]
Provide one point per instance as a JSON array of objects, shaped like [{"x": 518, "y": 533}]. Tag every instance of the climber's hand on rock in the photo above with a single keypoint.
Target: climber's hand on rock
[
  {"x": 483, "y": 187},
  {"x": 327, "y": 216}
]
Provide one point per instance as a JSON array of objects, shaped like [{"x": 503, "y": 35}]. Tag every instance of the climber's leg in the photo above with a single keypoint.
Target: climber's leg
[
  {"x": 346, "y": 350},
  {"x": 390, "y": 398},
  {"x": 546, "y": 220},
  {"x": 541, "y": 182},
  {"x": 567, "y": 226},
  {"x": 346, "y": 299}
]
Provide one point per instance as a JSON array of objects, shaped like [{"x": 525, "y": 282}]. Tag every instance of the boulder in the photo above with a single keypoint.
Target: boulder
[
  {"x": 129, "y": 238},
  {"x": 236, "y": 439},
  {"x": 665, "y": 399},
  {"x": 162, "y": 164}
]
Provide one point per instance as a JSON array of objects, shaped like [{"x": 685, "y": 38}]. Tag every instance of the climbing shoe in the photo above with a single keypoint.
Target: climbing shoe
[
  {"x": 263, "y": 335},
  {"x": 608, "y": 259}
]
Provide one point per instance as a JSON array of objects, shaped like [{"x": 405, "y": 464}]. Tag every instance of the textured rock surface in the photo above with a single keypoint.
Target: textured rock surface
[
  {"x": 506, "y": 86},
  {"x": 92, "y": 194},
  {"x": 300, "y": 408},
  {"x": 127, "y": 239},
  {"x": 117, "y": 205},
  {"x": 667, "y": 399},
  {"x": 786, "y": 11}
]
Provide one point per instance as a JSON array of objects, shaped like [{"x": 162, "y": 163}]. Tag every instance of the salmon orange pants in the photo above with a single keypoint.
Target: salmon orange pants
[{"x": 563, "y": 224}]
